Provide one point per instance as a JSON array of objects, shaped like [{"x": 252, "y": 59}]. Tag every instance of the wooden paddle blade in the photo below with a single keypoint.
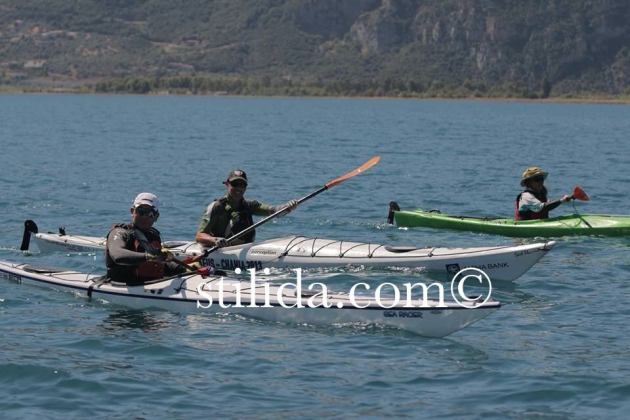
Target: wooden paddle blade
[
  {"x": 579, "y": 194},
  {"x": 367, "y": 165}
]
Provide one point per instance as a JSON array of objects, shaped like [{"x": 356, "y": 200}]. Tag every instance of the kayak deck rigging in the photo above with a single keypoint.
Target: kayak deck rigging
[{"x": 303, "y": 239}]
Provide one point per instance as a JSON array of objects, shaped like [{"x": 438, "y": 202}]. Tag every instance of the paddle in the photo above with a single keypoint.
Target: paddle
[
  {"x": 579, "y": 194},
  {"x": 203, "y": 271},
  {"x": 182, "y": 264},
  {"x": 367, "y": 165}
]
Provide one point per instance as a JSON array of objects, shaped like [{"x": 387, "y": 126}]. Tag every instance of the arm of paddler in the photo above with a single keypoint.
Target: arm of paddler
[
  {"x": 529, "y": 204},
  {"x": 118, "y": 252},
  {"x": 550, "y": 205},
  {"x": 207, "y": 223},
  {"x": 263, "y": 209}
]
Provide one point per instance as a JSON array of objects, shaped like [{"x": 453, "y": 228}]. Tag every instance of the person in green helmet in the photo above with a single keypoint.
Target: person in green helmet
[{"x": 532, "y": 203}]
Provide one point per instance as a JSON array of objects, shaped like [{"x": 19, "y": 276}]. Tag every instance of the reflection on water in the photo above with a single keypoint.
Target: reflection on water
[{"x": 136, "y": 320}]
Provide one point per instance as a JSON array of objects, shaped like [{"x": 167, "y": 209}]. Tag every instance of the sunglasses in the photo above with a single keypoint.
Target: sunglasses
[
  {"x": 238, "y": 184},
  {"x": 146, "y": 211}
]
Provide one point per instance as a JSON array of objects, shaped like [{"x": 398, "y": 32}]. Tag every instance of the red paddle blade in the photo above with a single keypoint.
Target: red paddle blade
[
  {"x": 579, "y": 194},
  {"x": 205, "y": 271}
]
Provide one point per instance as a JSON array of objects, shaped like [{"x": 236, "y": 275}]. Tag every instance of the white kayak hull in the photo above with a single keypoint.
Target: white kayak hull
[
  {"x": 181, "y": 294},
  {"x": 500, "y": 262},
  {"x": 54, "y": 242}
]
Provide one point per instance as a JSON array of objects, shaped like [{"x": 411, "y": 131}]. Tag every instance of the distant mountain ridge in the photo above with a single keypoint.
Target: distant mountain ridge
[{"x": 530, "y": 48}]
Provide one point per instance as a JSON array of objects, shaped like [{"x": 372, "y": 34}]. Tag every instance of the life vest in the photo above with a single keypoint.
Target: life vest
[
  {"x": 239, "y": 220},
  {"x": 532, "y": 215},
  {"x": 148, "y": 270},
  {"x": 138, "y": 242}
]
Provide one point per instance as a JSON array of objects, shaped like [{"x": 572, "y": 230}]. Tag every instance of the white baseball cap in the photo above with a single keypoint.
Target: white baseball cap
[{"x": 147, "y": 199}]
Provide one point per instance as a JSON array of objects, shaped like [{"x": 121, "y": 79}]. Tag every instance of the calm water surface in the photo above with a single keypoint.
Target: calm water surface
[{"x": 558, "y": 348}]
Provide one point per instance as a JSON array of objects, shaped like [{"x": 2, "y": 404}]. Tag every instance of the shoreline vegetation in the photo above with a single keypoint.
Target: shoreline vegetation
[{"x": 246, "y": 86}]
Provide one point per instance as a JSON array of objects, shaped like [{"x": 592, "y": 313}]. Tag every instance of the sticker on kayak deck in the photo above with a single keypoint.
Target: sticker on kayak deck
[
  {"x": 490, "y": 266},
  {"x": 264, "y": 251},
  {"x": 525, "y": 252},
  {"x": 11, "y": 277},
  {"x": 232, "y": 264},
  {"x": 452, "y": 269},
  {"x": 402, "y": 314}
]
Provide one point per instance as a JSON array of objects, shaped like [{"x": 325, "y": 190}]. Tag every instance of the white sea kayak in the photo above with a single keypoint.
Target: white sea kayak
[
  {"x": 499, "y": 262},
  {"x": 185, "y": 294}
]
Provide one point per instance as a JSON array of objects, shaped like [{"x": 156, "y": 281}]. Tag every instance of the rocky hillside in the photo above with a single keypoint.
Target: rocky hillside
[{"x": 530, "y": 48}]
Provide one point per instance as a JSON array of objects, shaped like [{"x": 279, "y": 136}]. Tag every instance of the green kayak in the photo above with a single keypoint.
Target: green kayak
[{"x": 574, "y": 224}]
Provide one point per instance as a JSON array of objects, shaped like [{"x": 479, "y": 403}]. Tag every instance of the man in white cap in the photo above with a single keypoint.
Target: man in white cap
[
  {"x": 532, "y": 203},
  {"x": 134, "y": 251},
  {"x": 231, "y": 214}
]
